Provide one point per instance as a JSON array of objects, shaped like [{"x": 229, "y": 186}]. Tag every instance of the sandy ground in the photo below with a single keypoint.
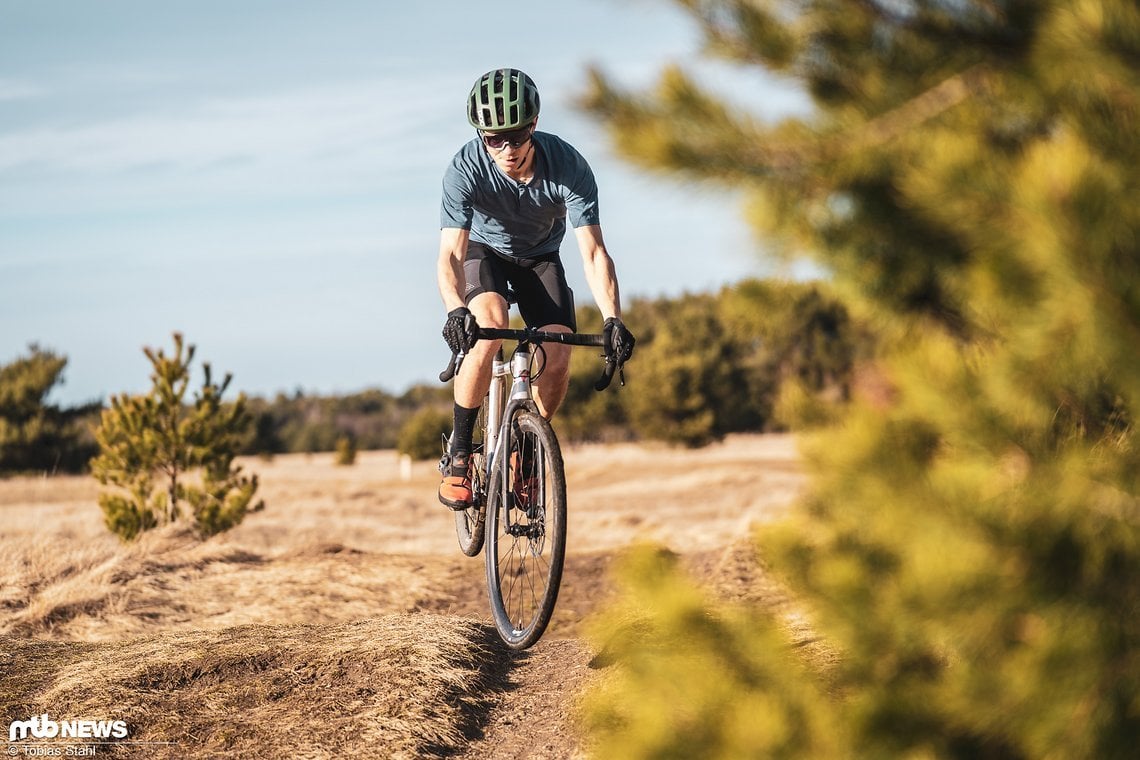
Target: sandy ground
[{"x": 340, "y": 545}]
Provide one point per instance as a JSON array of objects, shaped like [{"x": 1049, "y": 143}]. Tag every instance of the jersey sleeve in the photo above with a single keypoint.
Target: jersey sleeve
[
  {"x": 581, "y": 194},
  {"x": 456, "y": 209}
]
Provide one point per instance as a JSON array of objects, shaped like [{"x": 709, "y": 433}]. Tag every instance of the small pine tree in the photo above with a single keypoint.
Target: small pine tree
[
  {"x": 152, "y": 445},
  {"x": 346, "y": 451}
]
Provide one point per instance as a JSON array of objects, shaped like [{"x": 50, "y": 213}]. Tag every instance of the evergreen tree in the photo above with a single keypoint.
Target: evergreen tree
[
  {"x": 35, "y": 434},
  {"x": 585, "y": 414},
  {"x": 158, "y": 452},
  {"x": 971, "y": 541},
  {"x": 687, "y": 375},
  {"x": 423, "y": 434},
  {"x": 713, "y": 364}
]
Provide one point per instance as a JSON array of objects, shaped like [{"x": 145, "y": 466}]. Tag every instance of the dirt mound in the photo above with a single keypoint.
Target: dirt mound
[
  {"x": 169, "y": 580},
  {"x": 414, "y": 685}
]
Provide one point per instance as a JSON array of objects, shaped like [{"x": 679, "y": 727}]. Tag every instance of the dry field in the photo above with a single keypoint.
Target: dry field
[{"x": 343, "y": 620}]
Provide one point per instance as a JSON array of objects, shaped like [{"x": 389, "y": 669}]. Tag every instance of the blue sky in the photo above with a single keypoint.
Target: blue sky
[{"x": 264, "y": 176}]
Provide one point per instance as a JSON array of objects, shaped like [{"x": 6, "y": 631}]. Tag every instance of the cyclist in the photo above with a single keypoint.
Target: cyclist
[{"x": 507, "y": 197}]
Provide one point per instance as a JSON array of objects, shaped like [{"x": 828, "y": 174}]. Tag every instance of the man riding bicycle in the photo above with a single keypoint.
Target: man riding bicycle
[{"x": 507, "y": 196}]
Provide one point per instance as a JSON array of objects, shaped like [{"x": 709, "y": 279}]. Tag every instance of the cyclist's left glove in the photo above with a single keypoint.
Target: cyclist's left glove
[
  {"x": 459, "y": 330},
  {"x": 618, "y": 341}
]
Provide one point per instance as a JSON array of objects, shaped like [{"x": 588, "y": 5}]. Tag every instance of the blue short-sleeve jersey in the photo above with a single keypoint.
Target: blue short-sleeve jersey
[{"x": 517, "y": 219}]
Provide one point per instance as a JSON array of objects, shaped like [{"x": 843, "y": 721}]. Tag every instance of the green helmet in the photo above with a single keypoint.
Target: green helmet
[{"x": 502, "y": 99}]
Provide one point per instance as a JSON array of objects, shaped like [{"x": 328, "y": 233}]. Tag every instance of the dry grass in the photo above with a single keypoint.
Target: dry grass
[
  {"x": 342, "y": 618},
  {"x": 171, "y": 581},
  {"x": 412, "y": 685}
]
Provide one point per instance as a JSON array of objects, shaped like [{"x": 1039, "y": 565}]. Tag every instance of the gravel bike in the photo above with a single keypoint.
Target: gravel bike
[{"x": 519, "y": 487}]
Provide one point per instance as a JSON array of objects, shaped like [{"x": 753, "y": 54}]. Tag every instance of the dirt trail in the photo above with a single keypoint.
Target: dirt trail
[{"x": 345, "y": 550}]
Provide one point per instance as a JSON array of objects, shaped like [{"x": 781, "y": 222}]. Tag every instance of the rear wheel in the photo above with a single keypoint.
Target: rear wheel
[
  {"x": 470, "y": 523},
  {"x": 526, "y": 530}
]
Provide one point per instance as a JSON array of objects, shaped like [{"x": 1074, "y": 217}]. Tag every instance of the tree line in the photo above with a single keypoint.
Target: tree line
[{"x": 707, "y": 364}]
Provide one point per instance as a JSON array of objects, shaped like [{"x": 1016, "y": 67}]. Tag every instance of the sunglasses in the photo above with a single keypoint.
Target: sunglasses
[{"x": 500, "y": 140}]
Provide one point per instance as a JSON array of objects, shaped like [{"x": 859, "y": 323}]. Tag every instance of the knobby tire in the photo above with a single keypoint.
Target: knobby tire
[
  {"x": 471, "y": 523},
  {"x": 526, "y": 537}
]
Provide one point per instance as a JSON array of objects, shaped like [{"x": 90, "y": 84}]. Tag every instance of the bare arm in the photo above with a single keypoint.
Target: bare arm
[
  {"x": 600, "y": 274},
  {"x": 449, "y": 268}
]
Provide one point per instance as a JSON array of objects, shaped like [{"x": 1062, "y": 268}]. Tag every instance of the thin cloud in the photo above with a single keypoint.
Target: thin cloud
[
  {"x": 15, "y": 89},
  {"x": 281, "y": 127},
  {"x": 312, "y": 141}
]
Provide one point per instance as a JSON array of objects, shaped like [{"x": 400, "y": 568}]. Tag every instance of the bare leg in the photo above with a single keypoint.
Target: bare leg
[
  {"x": 490, "y": 310},
  {"x": 550, "y": 388}
]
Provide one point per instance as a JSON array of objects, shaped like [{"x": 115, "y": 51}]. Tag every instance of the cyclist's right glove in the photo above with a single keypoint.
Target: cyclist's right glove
[
  {"x": 618, "y": 341},
  {"x": 459, "y": 330}
]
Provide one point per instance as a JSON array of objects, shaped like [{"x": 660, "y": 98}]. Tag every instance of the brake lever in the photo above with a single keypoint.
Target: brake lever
[
  {"x": 452, "y": 367},
  {"x": 612, "y": 366}
]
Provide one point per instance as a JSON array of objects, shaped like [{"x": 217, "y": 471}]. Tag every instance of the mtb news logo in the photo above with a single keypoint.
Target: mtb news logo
[{"x": 43, "y": 727}]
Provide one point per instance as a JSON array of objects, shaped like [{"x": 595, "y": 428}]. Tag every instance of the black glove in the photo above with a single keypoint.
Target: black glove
[
  {"x": 459, "y": 330},
  {"x": 618, "y": 341}
]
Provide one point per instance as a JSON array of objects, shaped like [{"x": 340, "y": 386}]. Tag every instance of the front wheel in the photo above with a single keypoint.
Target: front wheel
[{"x": 526, "y": 530}]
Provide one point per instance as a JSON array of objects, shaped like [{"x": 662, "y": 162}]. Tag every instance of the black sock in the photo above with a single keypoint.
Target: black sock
[{"x": 464, "y": 427}]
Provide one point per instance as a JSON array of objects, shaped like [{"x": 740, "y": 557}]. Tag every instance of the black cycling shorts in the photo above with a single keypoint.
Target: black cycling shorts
[{"x": 539, "y": 284}]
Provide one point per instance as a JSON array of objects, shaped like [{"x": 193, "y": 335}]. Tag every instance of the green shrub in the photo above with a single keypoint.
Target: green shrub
[
  {"x": 421, "y": 436},
  {"x": 346, "y": 451},
  {"x": 686, "y": 680}
]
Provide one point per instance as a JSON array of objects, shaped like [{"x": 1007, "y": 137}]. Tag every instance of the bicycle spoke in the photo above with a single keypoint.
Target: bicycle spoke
[
  {"x": 534, "y": 599},
  {"x": 520, "y": 580},
  {"x": 523, "y": 583}
]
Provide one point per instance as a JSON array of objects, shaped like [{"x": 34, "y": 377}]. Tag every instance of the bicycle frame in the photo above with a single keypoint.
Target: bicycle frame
[{"x": 518, "y": 368}]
